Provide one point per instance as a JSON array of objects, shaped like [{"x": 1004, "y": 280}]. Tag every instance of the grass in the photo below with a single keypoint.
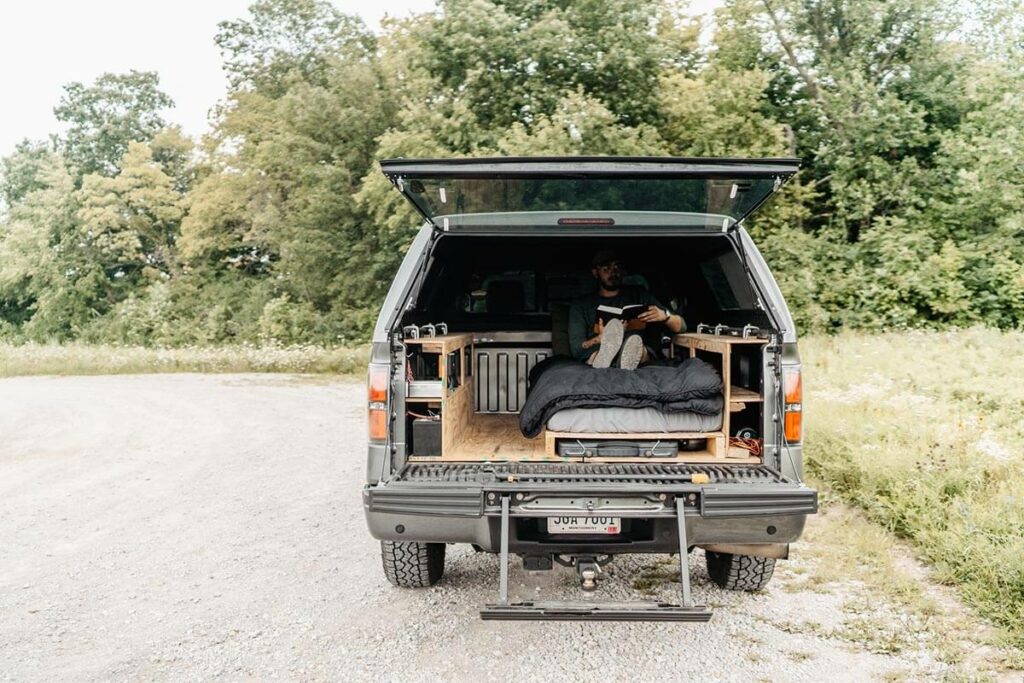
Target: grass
[
  {"x": 86, "y": 359},
  {"x": 922, "y": 431}
]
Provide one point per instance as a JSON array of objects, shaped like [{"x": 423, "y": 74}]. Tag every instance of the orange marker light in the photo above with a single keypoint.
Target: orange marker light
[
  {"x": 794, "y": 427},
  {"x": 377, "y": 402},
  {"x": 377, "y": 384},
  {"x": 794, "y": 417},
  {"x": 378, "y": 424}
]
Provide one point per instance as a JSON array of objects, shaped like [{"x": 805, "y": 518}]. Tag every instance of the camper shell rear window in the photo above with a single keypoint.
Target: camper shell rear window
[{"x": 516, "y": 283}]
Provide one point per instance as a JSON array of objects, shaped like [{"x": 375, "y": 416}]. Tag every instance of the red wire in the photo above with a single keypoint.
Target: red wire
[{"x": 753, "y": 446}]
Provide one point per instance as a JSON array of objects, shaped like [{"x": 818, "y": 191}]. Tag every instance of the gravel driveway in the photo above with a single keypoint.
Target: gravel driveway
[{"x": 192, "y": 527}]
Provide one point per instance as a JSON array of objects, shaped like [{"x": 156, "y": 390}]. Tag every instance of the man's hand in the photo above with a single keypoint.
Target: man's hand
[{"x": 653, "y": 314}]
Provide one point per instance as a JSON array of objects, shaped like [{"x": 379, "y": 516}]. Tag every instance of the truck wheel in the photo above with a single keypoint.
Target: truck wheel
[
  {"x": 739, "y": 572},
  {"x": 409, "y": 564}
]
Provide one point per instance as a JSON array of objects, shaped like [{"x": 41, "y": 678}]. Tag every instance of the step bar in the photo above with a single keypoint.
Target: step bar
[
  {"x": 503, "y": 610},
  {"x": 586, "y": 611}
]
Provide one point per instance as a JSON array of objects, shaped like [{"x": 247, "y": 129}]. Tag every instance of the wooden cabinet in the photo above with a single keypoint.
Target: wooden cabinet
[
  {"x": 736, "y": 397},
  {"x": 450, "y": 386}
]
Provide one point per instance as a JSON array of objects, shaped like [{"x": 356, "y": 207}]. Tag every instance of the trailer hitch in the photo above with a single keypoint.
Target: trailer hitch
[{"x": 588, "y": 567}]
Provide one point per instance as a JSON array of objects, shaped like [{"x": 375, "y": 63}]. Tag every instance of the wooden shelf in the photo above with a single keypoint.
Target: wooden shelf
[
  {"x": 442, "y": 344},
  {"x": 685, "y": 338},
  {"x": 453, "y": 393},
  {"x": 742, "y": 395}
]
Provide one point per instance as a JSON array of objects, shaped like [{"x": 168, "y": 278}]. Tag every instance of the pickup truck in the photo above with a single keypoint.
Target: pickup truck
[{"x": 482, "y": 298}]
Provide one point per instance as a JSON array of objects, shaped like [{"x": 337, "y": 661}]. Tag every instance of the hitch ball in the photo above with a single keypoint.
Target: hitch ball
[{"x": 588, "y": 569}]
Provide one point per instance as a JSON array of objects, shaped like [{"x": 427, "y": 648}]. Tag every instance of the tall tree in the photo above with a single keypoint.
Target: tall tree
[
  {"x": 103, "y": 118},
  {"x": 285, "y": 41},
  {"x": 515, "y": 62},
  {"x": 129, "y": 223},
  {"x": 867, "y": 88},
  {"x": 298, "y": 132},
  {"x": 37, "y": 282},
  {"x": 22, "y": 171}
]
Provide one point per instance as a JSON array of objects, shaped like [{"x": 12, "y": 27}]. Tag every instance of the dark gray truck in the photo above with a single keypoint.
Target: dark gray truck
[{"x": 481, "y": 298}]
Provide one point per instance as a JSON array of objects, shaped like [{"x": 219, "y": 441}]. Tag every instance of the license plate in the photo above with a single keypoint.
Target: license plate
[{"x": 584, "y": 525}]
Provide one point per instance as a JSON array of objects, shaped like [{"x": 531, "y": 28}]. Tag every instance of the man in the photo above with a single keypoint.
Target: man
[{"x": 599, "y": 344}]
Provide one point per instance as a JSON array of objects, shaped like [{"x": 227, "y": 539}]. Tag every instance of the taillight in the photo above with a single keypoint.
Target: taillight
[
  {"x": 794, "y": 413},
  {"x": 377, "y": 402}
]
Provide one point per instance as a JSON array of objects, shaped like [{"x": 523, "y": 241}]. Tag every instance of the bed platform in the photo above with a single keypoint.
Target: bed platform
[{"x": 470, "y": 436}]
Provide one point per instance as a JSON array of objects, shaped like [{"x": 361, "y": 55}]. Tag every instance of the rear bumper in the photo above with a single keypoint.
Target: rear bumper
[{"x": 740, "y": 505}]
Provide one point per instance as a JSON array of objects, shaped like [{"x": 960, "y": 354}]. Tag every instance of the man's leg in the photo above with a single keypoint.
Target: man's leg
[
  {"x": 633, "y": 352},
  {"x": 611, "y": 341}
]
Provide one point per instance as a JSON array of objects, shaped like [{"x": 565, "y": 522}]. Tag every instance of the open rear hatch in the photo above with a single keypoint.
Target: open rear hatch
[{"x": 510, "y": 193}]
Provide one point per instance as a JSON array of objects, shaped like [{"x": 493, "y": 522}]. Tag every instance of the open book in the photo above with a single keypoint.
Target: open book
[{"x": 626, "y": 313}]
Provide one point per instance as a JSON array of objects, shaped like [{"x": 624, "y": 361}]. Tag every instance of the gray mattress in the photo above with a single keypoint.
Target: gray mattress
[{"x": 636, "y": 420}]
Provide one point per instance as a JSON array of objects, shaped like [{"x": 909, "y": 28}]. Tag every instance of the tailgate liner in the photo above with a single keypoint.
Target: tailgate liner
[{"x": 585, "y": 473}]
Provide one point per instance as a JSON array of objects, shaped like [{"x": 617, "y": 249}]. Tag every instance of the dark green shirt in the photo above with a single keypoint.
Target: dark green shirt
[{"x": 583, "y": 315}]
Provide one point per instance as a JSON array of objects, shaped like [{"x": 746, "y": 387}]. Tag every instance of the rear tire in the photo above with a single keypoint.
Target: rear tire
[
  {"x": 739, "y": 572},
  {"x": 410, "y": 564}
]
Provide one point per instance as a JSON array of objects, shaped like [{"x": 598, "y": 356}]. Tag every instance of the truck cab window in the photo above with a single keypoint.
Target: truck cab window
[{"x": 507, "y": 291}]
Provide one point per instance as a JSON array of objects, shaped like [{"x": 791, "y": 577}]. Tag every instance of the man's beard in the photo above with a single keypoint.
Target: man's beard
[{"x": 611, "y": 282}]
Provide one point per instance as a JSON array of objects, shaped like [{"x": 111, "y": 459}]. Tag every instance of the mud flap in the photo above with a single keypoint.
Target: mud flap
[{"x": 595, "y": 611}]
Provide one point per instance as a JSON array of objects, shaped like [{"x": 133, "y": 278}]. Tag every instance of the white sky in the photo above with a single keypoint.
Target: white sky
[{"x": 45, "y": 44}]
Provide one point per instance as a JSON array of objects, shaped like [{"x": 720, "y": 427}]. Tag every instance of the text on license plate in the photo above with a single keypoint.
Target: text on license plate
[{"x": 584, "y": 525}]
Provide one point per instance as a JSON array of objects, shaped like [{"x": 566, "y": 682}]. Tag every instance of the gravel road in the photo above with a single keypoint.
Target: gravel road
[{"x": 193, "y": 527}]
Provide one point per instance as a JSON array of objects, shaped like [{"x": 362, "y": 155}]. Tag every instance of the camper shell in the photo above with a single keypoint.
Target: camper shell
[{"x": 481, "y": 298}]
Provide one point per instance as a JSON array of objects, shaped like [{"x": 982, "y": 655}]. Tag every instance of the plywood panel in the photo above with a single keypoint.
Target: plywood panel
[
  {"x": 494, "y": 437},
  {"x": 456, "y": 413}
]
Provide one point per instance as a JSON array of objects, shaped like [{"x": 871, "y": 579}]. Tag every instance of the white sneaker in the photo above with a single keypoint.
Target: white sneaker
[
  {"x": 632, "y": 352},
  {"x": 611, "y": 340}
]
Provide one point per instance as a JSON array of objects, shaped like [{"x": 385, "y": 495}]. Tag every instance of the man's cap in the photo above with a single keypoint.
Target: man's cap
[{"x": 604, "y": 256}]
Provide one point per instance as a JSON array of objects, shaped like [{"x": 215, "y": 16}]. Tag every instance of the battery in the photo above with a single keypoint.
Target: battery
[{"x": 426, "y": 436}]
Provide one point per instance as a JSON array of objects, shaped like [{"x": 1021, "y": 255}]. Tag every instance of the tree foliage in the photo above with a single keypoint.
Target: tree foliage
[
  {"x": 103, "y": 118},
  {"x": 909, "y": 210}
]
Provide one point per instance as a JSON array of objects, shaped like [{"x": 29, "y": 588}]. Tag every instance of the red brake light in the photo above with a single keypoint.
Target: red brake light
[{"x": 586, "y": 221}]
